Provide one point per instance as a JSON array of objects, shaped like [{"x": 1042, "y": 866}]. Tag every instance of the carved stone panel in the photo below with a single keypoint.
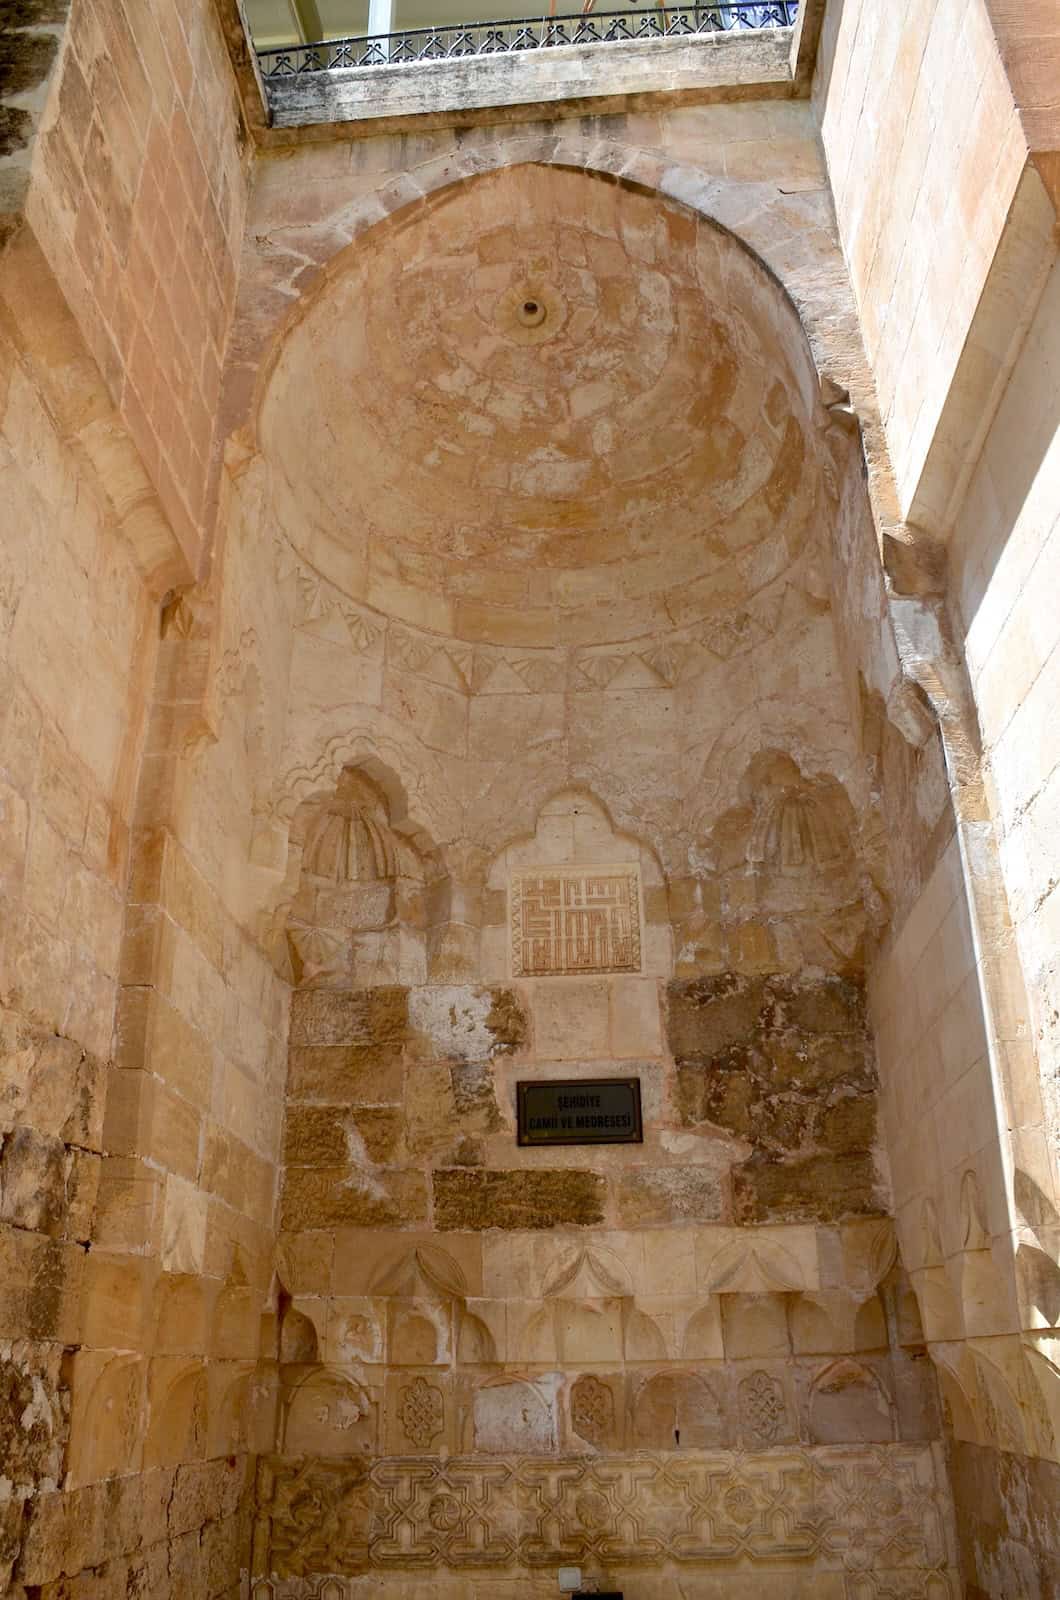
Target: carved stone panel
[
  {"x": 574, "y": 920},
  {"x": 875, "y": 1514},
  {"x": 764, "y": 1418},
  {"x": 592, "y": 1412},
  {"x": 421, "y": 1413}
]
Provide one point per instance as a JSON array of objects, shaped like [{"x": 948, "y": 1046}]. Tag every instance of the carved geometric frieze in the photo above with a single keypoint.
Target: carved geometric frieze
[
  {"x": 572, "y": 920},
  {"x": 865, "y": 1511}
]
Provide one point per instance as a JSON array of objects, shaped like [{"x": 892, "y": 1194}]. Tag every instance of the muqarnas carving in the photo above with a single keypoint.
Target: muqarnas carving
[
  {"x": 572, "y": 920},
  {"x": 356, "y": 909},
  {"x": 794, "y": 877}
]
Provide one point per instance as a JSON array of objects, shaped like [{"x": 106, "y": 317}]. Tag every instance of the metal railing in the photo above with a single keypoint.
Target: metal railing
[{"x": 452, "y": 42}]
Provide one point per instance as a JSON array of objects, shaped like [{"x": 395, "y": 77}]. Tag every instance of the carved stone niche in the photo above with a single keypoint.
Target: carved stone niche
[
  {"x": 511, "y": 1416},
  {"x": 788, "y": 863},
  {"x": 325, "y": 1413},
  {"x": 357, "y": 912},
  {"x": 848, "y": 1404},
  {"x": 681, "y": 1410}
]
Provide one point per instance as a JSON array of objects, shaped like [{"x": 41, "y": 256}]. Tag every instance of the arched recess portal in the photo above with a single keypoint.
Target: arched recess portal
[
  {"x": 574, "y": 430},
  {"x": 600, "y": 405}
]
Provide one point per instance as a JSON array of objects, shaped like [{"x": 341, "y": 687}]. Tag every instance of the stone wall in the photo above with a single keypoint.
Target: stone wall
[
  {"x": 925, "y": 152},
  {"x": 29, "y": 48},
  {"x": 76, "y": 645},
  {"x": 1005, "y": 551},
  {"x": 544, "y": 561},
  {"x": 137, "y": 198},
  {"x": 463, "y": 1318},
  {"x": 125, "y": 1463}
]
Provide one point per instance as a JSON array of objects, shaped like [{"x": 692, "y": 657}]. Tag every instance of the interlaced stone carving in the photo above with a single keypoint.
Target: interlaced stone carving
[
  {"x": 873, "y": 1512},
  {"x": 762, "y": 1408},
  {"x": 421, "y": 1412},
  {"x": 592, "y": 1410}
]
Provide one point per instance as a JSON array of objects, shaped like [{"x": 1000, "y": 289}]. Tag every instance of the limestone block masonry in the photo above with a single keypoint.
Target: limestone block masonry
[{"x": 512, "y": 571}]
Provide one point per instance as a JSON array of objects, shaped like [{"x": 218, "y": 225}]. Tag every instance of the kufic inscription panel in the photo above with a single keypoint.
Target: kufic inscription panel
[{"x": 571, "y": 920}]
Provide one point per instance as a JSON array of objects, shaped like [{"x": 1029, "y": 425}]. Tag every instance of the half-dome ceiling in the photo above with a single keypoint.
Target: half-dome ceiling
[{"x": 546, "y": 408}]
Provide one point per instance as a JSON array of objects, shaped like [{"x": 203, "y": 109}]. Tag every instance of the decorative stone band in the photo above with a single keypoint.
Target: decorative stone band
[{"x": 859, "y": 1512}]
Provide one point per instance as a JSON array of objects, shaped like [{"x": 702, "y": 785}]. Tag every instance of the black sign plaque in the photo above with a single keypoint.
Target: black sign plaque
[{"x": 580, "y": 1111}]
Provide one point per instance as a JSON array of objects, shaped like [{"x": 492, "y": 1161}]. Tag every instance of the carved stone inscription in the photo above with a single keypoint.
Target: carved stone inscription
[{"x": 572, "y": 920}]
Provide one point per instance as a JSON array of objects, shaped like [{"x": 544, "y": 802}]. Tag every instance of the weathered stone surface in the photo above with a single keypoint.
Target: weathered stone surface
[
  {"x": 1008, "y": 1518},
  {"x": 346, "y": 1074},
  {"x": 376, "y": 1019},
  {"x": 506, "y": 1020},
  {"x": 34, "y": 1421},
  {"x": 314, "y": 1136},
  {"x": 515, "y": 1200},
  {"x": 756, "y": 1057},
  {"x": 668, "y": 1195},
  {"x": 848, "y": 1124},
  {"x": 33, "y": 1181},
  {"x": 332, "y": 1197},
  {"x": 821, "y": 1188}
]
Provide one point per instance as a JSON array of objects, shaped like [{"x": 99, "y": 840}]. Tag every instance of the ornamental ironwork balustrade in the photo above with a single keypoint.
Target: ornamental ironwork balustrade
[{"x": 459, "y": 40}]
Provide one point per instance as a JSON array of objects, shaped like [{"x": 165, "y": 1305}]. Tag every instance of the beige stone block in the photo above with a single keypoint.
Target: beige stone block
[
  {"x": 439, "y": 717},
  {"x": 130, "y": 1206},
  {"x": 239, "y": 1330},
  {"x": 345, "y": 1197},
  {"x": 183, "y": 1226},
  {"x": 668, "y": 1263},
  {"x": 508, "y": 1266},
  {"x": 183, "y": 1307},
  {"x": 377, "y": 1262},
  {"x": 669, "y": 1195},
  {"x": 755, "y": 1325},
  {"x": 117, "y": 1301},
  {"x": 304, "y": 1260},
  {"x": 569, "y": 1018},
  {"x": 47, "y": 870},
  {"x": 697, "y": 1326},
  {"x": 152, "y": 1034},
  {"x": 635, "y": 1018},
  {"x": 145, "y": 1118}
]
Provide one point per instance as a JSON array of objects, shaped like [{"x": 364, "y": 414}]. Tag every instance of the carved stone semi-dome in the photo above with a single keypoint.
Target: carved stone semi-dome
[{"x": 581, "y": 422}]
